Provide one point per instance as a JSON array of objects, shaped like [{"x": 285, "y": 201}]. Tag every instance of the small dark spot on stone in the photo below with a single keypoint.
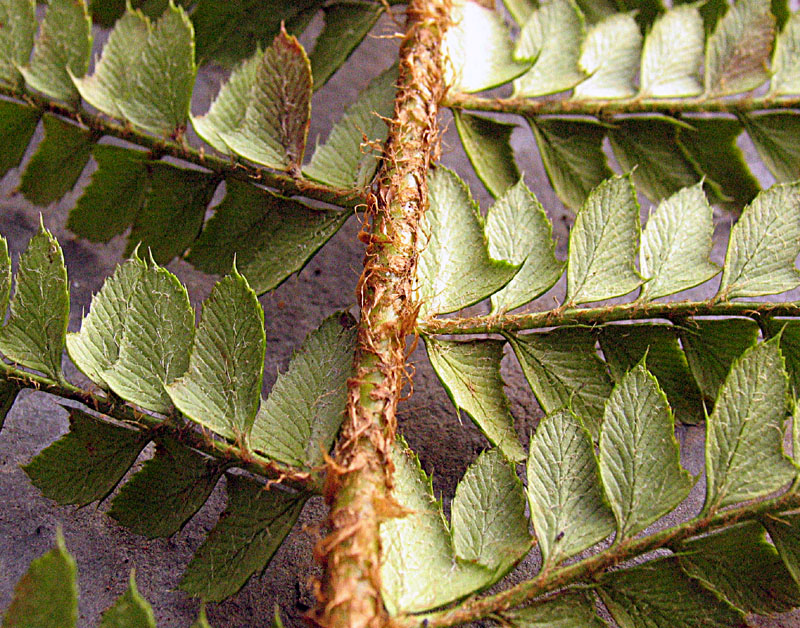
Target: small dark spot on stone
[{"x": 317, "y": 272}]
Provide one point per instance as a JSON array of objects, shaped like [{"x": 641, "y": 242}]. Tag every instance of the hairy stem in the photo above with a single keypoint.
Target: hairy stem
[
  {"x": 600, "y": 108},
  {"x": 551, "y": 580},
  {"x": 675, "y": 311},
  {"x": 283, "y": 182},
  {"x": 360, "y": 474},
  {"x": 117, "y": 409}
]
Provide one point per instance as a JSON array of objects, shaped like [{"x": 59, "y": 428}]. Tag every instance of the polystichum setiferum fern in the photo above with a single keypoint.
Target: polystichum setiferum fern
[{"x": 671, "y": 90}]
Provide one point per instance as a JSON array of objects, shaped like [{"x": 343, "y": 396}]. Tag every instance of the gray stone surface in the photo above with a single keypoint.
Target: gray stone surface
[{"x": 105, "y": 552}]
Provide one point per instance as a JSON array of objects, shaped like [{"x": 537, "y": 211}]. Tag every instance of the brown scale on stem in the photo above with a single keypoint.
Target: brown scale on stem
[{"x": 359, "y": 475}]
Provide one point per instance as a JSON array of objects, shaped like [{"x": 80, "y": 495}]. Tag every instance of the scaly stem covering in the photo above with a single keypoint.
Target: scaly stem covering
[{"x": 360, "y": 474}]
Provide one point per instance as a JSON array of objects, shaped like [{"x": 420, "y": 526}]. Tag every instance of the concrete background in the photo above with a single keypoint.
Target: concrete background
[{"x": 106, "y": 552}]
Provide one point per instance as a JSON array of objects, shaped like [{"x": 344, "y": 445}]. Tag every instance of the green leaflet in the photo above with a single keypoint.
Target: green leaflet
[
  {"x": 227, "y": 32},
  {"x": 419, "y": 569},
  {"x": 488, "y": 514},
  {"x": 160, "y": 78},
  {"x": 248, "y": 533},
  {"x": 624, "y": 346},
  {"x": 775, "y": 137},
  {"x": 737, "y": 54},
  {"x": 17, "y": 126},
  {"x": 784, "y": 530},
  {"x": 34, "y": 334},
  {"x": 551, "y": 38},
  {"x": 673, "y": 54},
  {"x": 222, "y": 387},
  {"x": 676, "y": 244},
  {"x": 649, "y": 148},
  {"x": 455, "y": 269},
  {"x": 568, "y": 508},
  {"x": 202, "y": 620},
  {"x": 275, "y": 124},
  {"x": 5, "y": 276},
  {"x": 130, "y": 610},
  {"x": 780, "y": 9},
  {"x": 610, "y": 58},
  {"x": 156, "y": 338},
  {"x": 639, "y": 457},
  {"x": 571, "y": 609},
  {"x": 85, "y": 465},
  {"x": 572, "y": 153},
  {"x": 519, "y": 231},
  {"x": 711, "y": 147},
  {"x": 62, "y": 48},
  {"x": 299, "y": 420},
  {"x": 563, "y": 370},
  {"x": 96, "y": 347},
  {"x": 16, "y": 38},
  {"x": 58, "y": 162},
  {"x": 487, "y": 144},
  {"x": 164, "y": 203},
  {"x": 171, "y": 487},
  {"x": 659, "y": 593},
  {"x": 786, "y": 60},
  {"x": 789, "y": 331},
  {"x": 47, "y": 595},
  {"x": 230, "y": 105},
  {"x": 111, "y": 201},
  {"x": 603, "y": 244},
  {"x": 763, "y": 245},
  {"x": 711, "y": 346},
  {"x": 744, "y": 440},
  {"x": 270, "y": 236},
  {"x": 109, "y": 85},
  {"x": 471, "y": 68},
  {"x": 343, "y": 159},
  {"x": 470, "y": 373},
  {"x": 8, "y": 395},
  {"x": 172, "y": 209},
  {"x": 742, "y": 567},
  {"x": 346, "y": 24},
  {"x": 520, "y": 10}
]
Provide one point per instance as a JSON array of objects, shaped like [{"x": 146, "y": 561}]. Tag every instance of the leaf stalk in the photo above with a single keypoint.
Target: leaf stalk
[
  {"x": 674, "y": 311},
  {"x": 359, "y": 476}
]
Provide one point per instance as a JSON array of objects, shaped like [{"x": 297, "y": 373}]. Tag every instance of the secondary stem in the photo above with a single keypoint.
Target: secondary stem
[
  {"x": 226, "y": 166},
  {"x": 120, "y": 411},
  {"x": 667, "y": 106},
  {"x": 360, "y": 475},
  {"x": 677, "y": 310}
]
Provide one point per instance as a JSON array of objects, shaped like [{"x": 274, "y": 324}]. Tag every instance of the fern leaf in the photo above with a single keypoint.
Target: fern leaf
[
  {"x": 247, "y": 535},
  {"x": 470, "y": 372},
  {"x": 639, "y": 460},
  {"x": 473, "y": 69},
  {"x": 275, "y": 124},
  {"x": 222, "y": 386},
  {"x": 47, "y": 595},
  {"x": 455, "y": 268},
  {"x": 86, "y": 464},
  {"x": 744, "y": 443},
  {"x": 604, "y": 243},
  {"x": 35, "y": 332},
  {"x": 62, "y": 49},
  {"x": 518, "y": 231},
  {"x": 299, "y": 420},
  {"x": 270, "y": 236},
  {"x": 568, "y": 506},
  {"x": 551, "y": 38}
]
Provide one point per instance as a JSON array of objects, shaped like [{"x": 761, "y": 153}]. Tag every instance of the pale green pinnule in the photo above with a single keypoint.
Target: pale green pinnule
[
  {"x": 610, "y": 56},
  {"x": 18, "y": 18},
  {"x": 130, "y": 610},
  {"x": 786, "y": 60}
]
